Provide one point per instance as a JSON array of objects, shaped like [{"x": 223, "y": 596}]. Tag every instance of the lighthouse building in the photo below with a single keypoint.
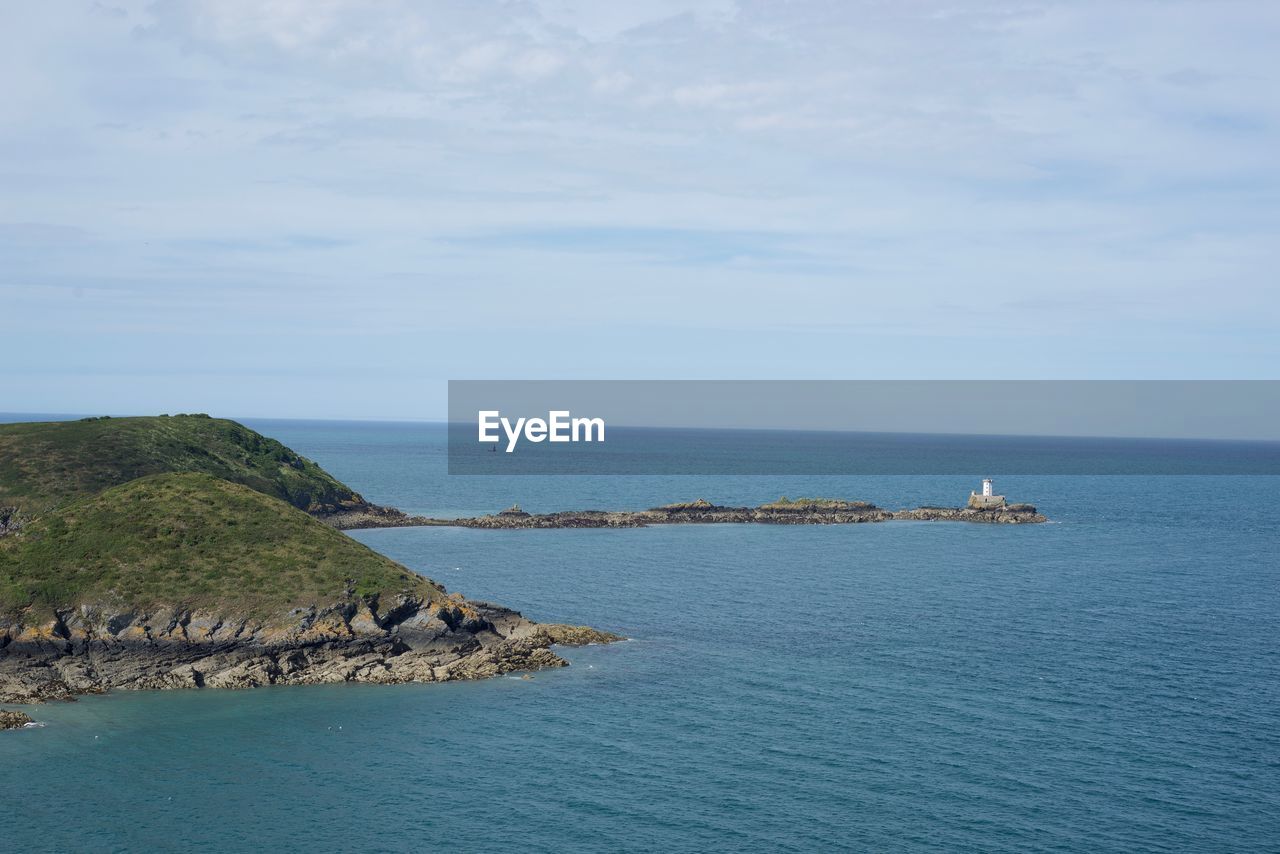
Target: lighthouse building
[{"x": 987, "y": 499}]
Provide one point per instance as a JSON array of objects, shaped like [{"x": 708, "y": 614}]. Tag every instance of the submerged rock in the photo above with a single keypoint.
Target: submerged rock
[{"x": 13, "y": 720}]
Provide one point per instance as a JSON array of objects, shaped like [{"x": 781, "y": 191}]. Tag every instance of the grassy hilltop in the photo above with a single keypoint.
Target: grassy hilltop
[
  {"x": 191, "y": 540},
  {"x": 182, "y": 511},
  {"x": 46, "y": 464}
]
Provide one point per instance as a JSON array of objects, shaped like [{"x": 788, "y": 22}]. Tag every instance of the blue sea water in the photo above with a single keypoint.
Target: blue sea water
[{"x": 1108, "y": 682}]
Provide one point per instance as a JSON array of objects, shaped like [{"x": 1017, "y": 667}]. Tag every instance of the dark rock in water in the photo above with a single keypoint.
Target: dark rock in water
[
  {"x": 13, "y": 720},
  {"x": 576, "y": 635},
  {"x": 1008, "y": 514}
]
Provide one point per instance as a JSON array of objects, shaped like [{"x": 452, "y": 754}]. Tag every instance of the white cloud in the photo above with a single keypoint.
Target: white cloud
[{"x": 893, "y": 159}]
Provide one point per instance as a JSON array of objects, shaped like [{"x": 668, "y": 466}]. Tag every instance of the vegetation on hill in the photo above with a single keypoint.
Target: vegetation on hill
[
  {"x": 47, "y": 464},
  {"x": 785, "y": 503},
  {"x": 190, "y": 540}
]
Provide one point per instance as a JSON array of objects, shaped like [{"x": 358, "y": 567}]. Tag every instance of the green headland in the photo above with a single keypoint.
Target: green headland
[
  {"x": 188, "y": 551},
  {"x": 47, "y": 464},
  {"x": 194, "y": 541}
]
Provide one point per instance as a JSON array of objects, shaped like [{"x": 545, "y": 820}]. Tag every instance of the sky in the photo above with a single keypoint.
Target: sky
[{"x": 329, "y": 208}]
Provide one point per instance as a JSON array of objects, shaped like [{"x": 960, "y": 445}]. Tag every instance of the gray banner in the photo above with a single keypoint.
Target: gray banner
[{"x": 863, "y": 427}]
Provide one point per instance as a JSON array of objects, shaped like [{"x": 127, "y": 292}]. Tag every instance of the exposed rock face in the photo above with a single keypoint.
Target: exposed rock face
[
  {"x": 11, "y": 520},
  {"x": 566, "y": 519},
  {"x": 13, "y": 720},
  {"x": 1009, "y": 514},
  {"x": 370, "y": 516},
  {"x": 575, "y": 635},
  {"x": 92, "y": 650},
  {"x": 812, "y": 513}
]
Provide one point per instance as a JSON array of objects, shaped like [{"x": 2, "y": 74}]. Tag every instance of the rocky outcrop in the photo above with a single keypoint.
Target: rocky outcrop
[
  {"x": 777, "y": 513},
  {"x": 11, "y": 520},
  {"x": 565, "y": 519},
  {"x": 817, "y": 512},
  {"x": 91, "y": 650},
  {"x": 782, "y": 512},
  {"x": 1008, "y": 514},
  {"x": 576, "y": 635},
  {"x": 13, "y": 720},
  {"x": 370, "y": 516}
]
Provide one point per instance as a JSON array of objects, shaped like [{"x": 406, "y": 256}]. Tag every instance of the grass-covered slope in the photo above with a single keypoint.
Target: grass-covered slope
[
  {"x": 189, "y": 540},
  {"x": 46, "y": 464}
]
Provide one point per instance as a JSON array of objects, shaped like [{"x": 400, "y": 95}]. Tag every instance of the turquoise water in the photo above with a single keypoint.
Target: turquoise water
[{"x": 1108, "y": 682}]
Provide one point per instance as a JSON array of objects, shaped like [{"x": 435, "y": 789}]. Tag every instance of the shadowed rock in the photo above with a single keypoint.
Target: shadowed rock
[
  {"x": 408, "y": 640},
  {"x": 13, "y": 719}
]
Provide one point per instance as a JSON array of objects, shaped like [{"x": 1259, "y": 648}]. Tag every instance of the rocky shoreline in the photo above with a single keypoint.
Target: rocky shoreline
[
  {"x": 821, "y": 512},
  {"x": 371, "y": 516},
  {"x": 93, "y": 650}
]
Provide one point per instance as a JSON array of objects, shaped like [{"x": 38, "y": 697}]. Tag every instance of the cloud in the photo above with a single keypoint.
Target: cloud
[{"x": 746, "y": 166}]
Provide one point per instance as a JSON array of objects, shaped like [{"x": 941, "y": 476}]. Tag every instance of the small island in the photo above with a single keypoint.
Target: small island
[
  {"x": 981, "y": 508},
  {"x": 784, "y": 511}
]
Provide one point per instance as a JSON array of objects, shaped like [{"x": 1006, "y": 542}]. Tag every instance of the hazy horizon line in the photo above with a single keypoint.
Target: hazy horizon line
[{"x": 38, "y": 417}]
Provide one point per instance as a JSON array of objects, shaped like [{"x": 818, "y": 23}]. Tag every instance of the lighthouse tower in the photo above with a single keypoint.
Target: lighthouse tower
[{"x": 987, "y": 499}]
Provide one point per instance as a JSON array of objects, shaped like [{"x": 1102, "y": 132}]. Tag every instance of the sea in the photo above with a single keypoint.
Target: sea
[{"x": 1109, "y": 681}]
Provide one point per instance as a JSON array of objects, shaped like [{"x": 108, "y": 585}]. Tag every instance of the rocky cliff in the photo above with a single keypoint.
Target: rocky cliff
[{"x": 91, "y": 650}]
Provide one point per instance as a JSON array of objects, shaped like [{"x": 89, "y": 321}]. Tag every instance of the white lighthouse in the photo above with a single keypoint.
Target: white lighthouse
[{"x": 987, "y": 499}]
